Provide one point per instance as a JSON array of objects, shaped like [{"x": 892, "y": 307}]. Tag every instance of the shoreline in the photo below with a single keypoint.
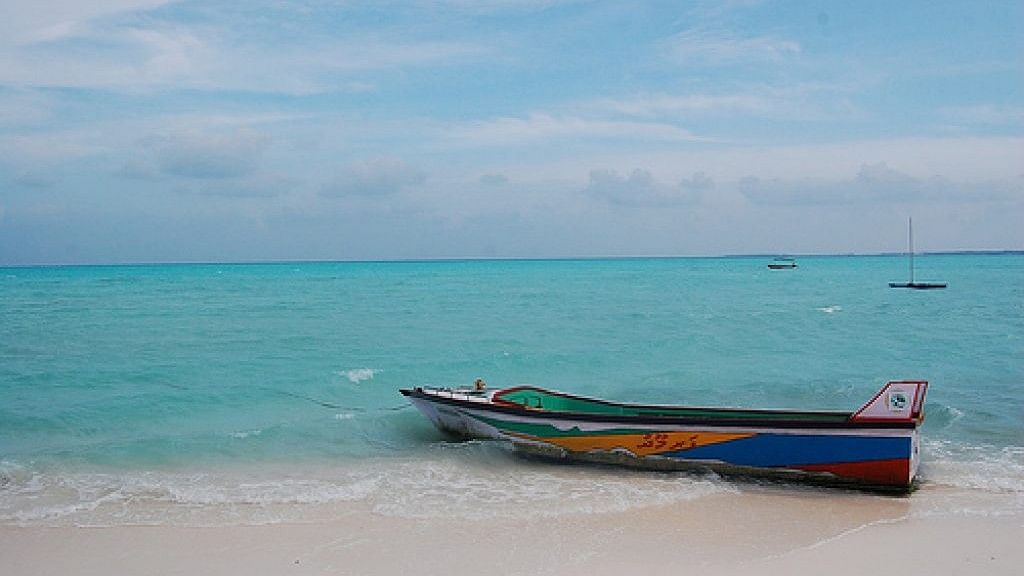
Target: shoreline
[{"x": 767, "y": 530}]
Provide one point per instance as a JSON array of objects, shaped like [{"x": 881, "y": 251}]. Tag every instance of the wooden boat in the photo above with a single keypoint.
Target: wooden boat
[
  {"x": 875, "y": 447},
  {"x": 782, "y": 264},
  {"x": 910, "y": 255}
]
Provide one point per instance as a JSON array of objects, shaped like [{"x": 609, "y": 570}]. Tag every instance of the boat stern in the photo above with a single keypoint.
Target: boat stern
[{"x": 901, "y": 404}]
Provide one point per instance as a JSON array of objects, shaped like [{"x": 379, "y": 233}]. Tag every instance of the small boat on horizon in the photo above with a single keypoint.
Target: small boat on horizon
[
  {"x": 910, "y": 255},
  {"x": 875, "y": 447},
  {"x": 782, "y": 263}
]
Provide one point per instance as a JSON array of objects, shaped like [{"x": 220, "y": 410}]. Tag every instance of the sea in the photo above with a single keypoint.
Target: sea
[{"x": 213, "y": 394}]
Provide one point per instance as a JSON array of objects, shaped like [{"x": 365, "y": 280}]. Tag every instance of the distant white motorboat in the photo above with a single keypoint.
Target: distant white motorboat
[{"x": 782, "y": 263}]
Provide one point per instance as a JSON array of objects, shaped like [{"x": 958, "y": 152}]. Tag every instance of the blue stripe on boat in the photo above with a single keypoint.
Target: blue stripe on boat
[{"x": 797, "y": 449}]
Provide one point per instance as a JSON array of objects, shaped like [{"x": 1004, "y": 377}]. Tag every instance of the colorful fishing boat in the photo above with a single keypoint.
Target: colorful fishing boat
[{"x": 875, "y": 447}]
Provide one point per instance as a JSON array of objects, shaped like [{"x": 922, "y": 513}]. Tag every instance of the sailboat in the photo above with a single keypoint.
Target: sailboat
[{"x": 910, "y": 255}]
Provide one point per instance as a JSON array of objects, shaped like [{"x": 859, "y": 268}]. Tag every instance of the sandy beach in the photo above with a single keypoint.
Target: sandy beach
[{"x": 767, "y": 531}]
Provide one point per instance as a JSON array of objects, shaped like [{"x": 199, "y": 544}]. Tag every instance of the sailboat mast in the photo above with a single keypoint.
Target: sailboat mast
[
  {"x": 910, "y": 244},
  {"x": 910, "y": 263}
]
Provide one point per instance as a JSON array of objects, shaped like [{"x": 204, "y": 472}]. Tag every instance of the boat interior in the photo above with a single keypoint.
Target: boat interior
[{"x": 540, "y": 399}]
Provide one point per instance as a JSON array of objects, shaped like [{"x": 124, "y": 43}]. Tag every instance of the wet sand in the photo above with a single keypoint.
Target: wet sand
[{"x": 763, "y": 531}]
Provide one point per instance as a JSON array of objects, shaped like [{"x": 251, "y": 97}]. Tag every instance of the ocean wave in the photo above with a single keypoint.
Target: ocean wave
[
  {"x": 156, "y": 498},
  {"x": 445, "y": 485},
  {"x": 831, "y": 309},
  {"x": 958, "y": 479},
  {"x": 456, "y": 480},
  {"x": 984, "y": 468},
  {"x": 942, "y": 416},
  {"x": 441, "y": 490},
  {"x": 13, "y": 475},
  {"x": 358, "y": 375}
]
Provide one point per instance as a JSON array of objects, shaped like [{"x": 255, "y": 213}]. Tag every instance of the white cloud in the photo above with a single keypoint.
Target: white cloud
[
  {"x": 47, "y": 148},
  {"x": 376, "y": 177},
  {"x": 36, "y": 178},
  {"x": 660, "y": 104},
  {"x": 489, "y": 6},
  {"x": 985, "y": 114},
  {"x": 493, "y": 179},
  {"x": 544, "y": 127},
  {"x": 196, "y": 154},
  {"x": 707, "y": 47},
  {"x": 258, "y": 185},
  {"x": 640, "y": 189},
  {"x": 112, "y": 49},
  {"x": 368, "y": 54},
  {"x": 49, "y": 20},
  {"x": 115, "y": 57},
  {"x": 878, "y": 184},
  {"x": 804, "y": 101},
  {"x": 24, "y": 107},
  {"x": 959, "y": 159},
  {"x": 139, "y": 168},
  {"x": 698, "y": 183}
]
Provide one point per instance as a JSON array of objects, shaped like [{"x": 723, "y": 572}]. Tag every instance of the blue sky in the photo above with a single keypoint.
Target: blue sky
[{"x": 154, "y": 130}]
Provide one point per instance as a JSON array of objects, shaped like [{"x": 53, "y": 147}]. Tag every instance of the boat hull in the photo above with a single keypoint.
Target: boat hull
[
  {"x": 918, "y": 285},
  {"x": 873, "y": 457}
]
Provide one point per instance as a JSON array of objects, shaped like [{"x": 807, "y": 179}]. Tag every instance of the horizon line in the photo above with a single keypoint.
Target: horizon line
[{"x": 442, "y": 259}]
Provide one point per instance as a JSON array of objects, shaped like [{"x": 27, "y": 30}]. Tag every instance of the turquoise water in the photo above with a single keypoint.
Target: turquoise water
[{"x": 126, "y": 381}]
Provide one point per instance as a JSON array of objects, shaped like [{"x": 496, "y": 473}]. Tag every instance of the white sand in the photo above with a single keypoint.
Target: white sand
[{"x": 752, "y": 532}]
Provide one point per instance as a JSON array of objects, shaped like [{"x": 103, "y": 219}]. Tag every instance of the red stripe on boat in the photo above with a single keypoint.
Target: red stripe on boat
[{"x": 894, "y": 472}]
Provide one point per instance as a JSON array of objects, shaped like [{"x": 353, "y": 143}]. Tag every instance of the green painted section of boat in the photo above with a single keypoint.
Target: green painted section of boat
[
  {"x": 549, "y": 431},
  {"x": 555, "y": 402}
]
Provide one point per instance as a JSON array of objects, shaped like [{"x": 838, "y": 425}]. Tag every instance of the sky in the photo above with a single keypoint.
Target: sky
[{"x": 265, "y": 130}]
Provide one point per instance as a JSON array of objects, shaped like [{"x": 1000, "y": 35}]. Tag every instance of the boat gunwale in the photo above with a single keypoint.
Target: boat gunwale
[
  {"x": 670, "y": 407},
  {"x": 654, "y": 419}
]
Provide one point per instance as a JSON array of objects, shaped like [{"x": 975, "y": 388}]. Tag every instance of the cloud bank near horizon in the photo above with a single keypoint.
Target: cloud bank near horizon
[{"x": 150, "y": 130}]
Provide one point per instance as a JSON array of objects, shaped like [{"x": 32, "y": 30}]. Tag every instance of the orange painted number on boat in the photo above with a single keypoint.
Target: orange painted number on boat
[
  {"x": 685, "y": 443},
  {"x": 655, "y": 441},
  {"x": 641, "y": 444},
  {"x": 658, "y": 440}
]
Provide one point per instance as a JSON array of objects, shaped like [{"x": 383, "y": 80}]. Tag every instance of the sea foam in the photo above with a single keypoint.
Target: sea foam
[
  {"x": 466, "y": 480},
  {"x": 358, "y": 375},
  {"x": 472, "y": 481},
  {"x": 983, "y": 468}
]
